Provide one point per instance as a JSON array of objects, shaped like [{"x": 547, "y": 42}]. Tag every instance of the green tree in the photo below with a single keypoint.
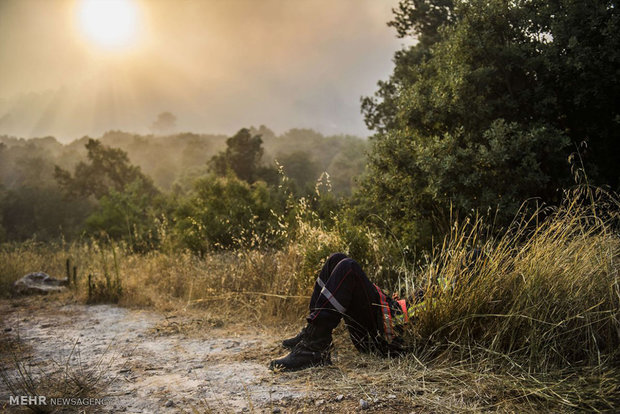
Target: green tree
[
  {"x": 485, "y": 109},
  {"x": 128, "y": 204},
  {"x": 347, "y": 166},
  {"x": 43, "y": 213},
  {"x": 129, "y": 215},
  {"x": 107, "y": 169},
  {"x": 166, "y": 121},
  {"x": 242, "y": 156},
  {"x": 419, "y": 19},
  {"x": 224, "y": 212},
  {"x": 301, "y": 169}
]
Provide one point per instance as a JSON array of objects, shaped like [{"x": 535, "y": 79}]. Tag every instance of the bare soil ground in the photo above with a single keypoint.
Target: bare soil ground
[{"x": 147, "y": 362}]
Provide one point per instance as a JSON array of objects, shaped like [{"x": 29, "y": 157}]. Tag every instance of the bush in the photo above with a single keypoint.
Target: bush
[
  {"x": 129, "y": 215},
  {"x": 225, "y": 212}
]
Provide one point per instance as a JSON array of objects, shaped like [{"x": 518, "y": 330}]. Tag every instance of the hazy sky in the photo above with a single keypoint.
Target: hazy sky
[{"x": 218, "y": 65}]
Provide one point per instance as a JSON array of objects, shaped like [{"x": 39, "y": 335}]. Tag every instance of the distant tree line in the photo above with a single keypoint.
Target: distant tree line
[{"x": 126, "y": 186}]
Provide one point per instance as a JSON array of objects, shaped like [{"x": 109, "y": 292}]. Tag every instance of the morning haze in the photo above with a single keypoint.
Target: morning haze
[
  {"x": 225, "y": 239},
  {"x": 216, "y": 65}
]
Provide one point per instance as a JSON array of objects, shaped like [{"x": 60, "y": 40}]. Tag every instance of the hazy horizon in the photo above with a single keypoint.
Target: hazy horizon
[{"x": 217, "y": 66}]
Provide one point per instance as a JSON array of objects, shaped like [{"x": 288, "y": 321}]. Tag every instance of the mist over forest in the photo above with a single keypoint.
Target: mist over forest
[{"x": 34, "y": 205}]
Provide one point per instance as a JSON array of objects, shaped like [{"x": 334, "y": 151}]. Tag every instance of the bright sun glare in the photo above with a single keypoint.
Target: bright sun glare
[{"x": 109, "y": 23}]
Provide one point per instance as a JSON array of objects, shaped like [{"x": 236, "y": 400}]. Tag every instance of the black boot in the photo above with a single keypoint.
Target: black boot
[
  {"x": 313, "y": 350},
  {"x": 291, "y": 342}
]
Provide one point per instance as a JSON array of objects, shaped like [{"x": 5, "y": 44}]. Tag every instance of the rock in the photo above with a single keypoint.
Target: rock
[
  {"x": 169, "y": 403},
  {"x": 39, "y": 282},
  {"x": 364, "y": 405},
  {"x": 391, "y": 396},
  {"x": 319, "y": 402},
  {"x": 339, "y": 397}
]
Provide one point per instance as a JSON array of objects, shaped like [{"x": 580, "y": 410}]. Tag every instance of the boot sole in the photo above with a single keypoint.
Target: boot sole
[{"x": 282, "y": 368}]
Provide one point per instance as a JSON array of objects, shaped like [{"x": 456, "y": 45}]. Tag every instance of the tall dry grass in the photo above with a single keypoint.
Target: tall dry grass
[
  {"x": 545, "y": 295},
  {"x": 259, "y": 284},
  {"x": 537, "y": 315}
]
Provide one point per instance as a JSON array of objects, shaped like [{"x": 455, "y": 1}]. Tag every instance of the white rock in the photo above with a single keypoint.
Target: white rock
[{"x": 39, "y": 282}]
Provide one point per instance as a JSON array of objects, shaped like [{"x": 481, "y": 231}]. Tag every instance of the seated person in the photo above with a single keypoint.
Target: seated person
[{"x": 342, "y": 290}]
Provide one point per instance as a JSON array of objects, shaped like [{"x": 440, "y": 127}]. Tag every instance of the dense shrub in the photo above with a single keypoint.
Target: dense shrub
[{"x": 224, "y": 212}]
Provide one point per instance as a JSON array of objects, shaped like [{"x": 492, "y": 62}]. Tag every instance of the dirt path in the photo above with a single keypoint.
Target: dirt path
[{"x": 147, "y": 363}]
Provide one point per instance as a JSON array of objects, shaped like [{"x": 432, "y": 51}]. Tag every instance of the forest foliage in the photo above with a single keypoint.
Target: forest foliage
[
  {"x": 495, "y": 103},
  {"x": 498, "y": 102},
  {"x": 205, "y": 189}
]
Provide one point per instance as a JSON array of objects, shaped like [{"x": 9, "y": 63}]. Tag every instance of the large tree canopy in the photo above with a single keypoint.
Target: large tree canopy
[
  {"x": 243, "y": 155},
  {"x": 485, "y": 109},
  {"x": 107, "y": 169},
  {"x": 127, "y": 200}
]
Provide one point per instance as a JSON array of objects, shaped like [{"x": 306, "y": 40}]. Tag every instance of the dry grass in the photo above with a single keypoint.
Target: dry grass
[
  {"x": 25, "y": 374},
  {"x": 540, "y": 310},
  {"x": 260, "y": 284},
  {"x": 534, "y": 295},
  {"x": 533, "y": 325}
]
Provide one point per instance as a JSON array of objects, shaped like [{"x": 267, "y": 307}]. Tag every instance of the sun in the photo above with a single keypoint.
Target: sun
[{"x": 109, "y": 23}]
